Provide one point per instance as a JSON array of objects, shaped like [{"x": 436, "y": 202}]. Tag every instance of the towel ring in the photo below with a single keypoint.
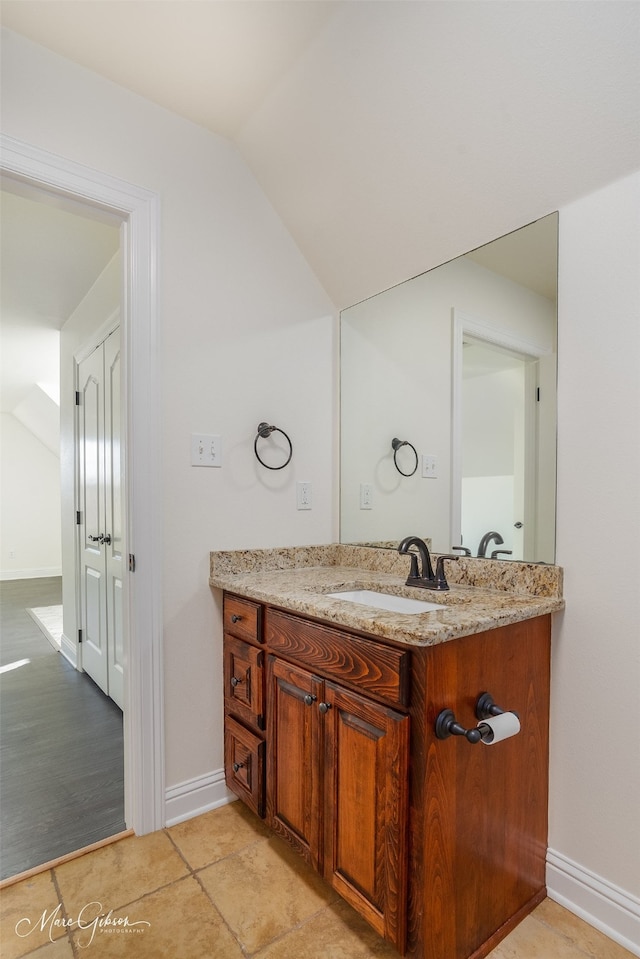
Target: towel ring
[
  {"x": 396, "y": 444},
  {"x": 264, "y": 431}
]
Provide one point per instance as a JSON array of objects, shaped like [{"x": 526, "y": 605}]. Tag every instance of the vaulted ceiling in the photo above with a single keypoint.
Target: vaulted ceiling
[{"x": 382, "y": 131}]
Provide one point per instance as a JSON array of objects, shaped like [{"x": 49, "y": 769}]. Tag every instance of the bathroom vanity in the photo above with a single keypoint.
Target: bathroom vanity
[{"x": 330, "y": 735}]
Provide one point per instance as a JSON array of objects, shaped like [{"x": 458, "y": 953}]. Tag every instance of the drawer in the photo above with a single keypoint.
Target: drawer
[
  {"x": 244, "y": 764},
  {"x": 368, "y": 667},
  {"x": 244, "y": 681},
  {"x": 242, "y": 618}
]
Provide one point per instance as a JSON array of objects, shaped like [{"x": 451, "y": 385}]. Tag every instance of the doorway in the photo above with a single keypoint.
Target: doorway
[
  {"x": 495, "y": 442},
  {"x": 498, "y": 465},
  {"x": 137, "y": 209}
]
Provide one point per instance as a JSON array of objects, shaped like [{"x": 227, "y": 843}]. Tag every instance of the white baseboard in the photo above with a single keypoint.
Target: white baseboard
[
  {"x": 196, "y": 796},
  {"x": 30, "y": 573},
  {"x": 69, "y": 650},
  {"x": 608, "y": 908}
]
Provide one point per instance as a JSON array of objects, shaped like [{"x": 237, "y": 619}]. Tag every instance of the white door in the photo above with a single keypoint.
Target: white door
[
  {"x": 113, "y": 543},
  {"x": 100, "y": 514},
  {"x": 498, "y": 460}
]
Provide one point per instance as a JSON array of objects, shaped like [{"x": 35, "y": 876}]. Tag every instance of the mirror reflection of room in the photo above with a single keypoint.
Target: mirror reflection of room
[{"x": 461, "y": 363}]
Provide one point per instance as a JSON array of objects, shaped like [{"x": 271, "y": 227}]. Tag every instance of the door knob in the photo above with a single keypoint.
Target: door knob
[
  {"x": 95, "y": 539},
  {"x": 106, "y": 539}
]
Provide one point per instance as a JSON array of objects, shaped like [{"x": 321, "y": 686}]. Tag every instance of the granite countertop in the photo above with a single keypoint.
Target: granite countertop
[{"x": 484, "y": 593}]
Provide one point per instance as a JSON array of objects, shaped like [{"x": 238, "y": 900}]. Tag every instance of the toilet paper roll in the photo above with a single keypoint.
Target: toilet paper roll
[{"x": 497, "y": 728}]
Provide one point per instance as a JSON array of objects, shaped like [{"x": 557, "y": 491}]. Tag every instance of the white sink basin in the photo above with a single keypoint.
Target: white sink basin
[{"x": 394, "y": 604}]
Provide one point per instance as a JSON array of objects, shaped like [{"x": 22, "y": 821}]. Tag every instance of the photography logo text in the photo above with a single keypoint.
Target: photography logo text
[{"x": 91, "y": 920}]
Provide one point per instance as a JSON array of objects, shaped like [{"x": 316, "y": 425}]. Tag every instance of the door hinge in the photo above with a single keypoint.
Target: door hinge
[
  {"x": 77, "y": 397},
  {"x": 538, "y": 394},
  {"x": 79, "y": 635},
  {"x": 78, "y": 517},
  {"x": 132, "y": 563}
]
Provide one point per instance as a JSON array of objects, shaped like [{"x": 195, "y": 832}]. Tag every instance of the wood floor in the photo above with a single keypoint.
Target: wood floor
[{"x": 61, "y": 742}]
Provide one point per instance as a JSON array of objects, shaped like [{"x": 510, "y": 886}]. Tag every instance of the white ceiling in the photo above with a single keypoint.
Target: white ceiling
[
  {"x": 390, "y": 135},
  {"x": 49, "y": 260},
  {"x": 212, "y": 61}
]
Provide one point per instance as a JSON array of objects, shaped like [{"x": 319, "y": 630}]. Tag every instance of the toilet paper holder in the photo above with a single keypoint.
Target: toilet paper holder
[{"x": 447, "y": 725}]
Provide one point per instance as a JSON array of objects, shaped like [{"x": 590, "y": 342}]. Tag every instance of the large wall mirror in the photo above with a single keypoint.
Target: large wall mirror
[{"x": 458, "y": 367}]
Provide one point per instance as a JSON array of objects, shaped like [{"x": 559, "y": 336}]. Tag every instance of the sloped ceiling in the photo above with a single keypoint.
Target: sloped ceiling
[
  {"x": 390, "y": 135},
  {"x": 50, "y": 258}
]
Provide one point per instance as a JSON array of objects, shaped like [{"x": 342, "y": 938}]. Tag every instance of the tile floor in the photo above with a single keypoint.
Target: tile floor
[{"x": 221, "y": 886}]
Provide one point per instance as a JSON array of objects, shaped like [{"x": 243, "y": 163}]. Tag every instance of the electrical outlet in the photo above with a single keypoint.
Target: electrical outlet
[
  {"x": 429, "y": 466},
  {"x": 206, "y": 450},
  {"x": 303, "y": 495},
  {"x": 366, "y": 495}
]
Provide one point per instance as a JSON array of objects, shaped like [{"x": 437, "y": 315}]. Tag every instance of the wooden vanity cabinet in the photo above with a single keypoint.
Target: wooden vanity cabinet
[
  {"x": 337, "y": 789},
  {"x": 439, "y": 844}
]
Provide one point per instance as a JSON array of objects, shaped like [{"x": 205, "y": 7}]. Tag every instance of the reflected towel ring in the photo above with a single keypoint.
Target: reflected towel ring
[
  {"x": 264, "y": 431},
  {"x": 396, "y": 444}
]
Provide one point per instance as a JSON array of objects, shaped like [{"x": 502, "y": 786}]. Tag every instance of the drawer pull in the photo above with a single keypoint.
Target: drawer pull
[
  {"x": 237, "y": 766},
  {"x": 324, "y": 708},
  {"x": 309, "y": 700},
  {"x": 235, "y": 618},
  {"x": 235, "y": 681}
]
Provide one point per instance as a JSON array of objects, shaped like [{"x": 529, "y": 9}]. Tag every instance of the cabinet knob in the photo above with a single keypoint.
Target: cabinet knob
[
  {"x": 237, "y": 766},
  {"x": 324, "y": 707},
  {"x": 235, "y": 681},
  {"x": 235, "y": 618},
  {"x": 309, "y": 700}
]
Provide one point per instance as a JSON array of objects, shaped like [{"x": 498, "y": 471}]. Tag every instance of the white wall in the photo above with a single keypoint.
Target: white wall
[
  {"x": 29, "y": 504},
  {"x": 595, "y": 721},
  {"x": 246, "y": 334}
]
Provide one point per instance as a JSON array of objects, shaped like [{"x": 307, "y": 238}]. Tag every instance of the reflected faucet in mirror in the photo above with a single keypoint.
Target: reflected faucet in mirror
[
  {"x": 424, "y": 575},
  {"x": 492, "y": 535}
]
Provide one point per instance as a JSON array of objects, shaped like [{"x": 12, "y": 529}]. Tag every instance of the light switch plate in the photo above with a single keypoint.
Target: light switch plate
[{"x": 206, "y": 449}]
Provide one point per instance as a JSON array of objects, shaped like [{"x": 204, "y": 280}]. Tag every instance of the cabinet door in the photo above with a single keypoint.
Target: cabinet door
[
  {"x": 293, "y": 787},
  {"x": 366, "y": 761},
  {"x": 244, "y": 681}
]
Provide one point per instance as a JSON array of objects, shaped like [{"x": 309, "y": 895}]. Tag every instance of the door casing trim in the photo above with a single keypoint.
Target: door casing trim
[{"x": 138, "y": 209}]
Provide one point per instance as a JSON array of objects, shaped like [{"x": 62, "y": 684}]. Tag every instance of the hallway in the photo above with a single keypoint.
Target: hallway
[{"x": 61, "y": 756}]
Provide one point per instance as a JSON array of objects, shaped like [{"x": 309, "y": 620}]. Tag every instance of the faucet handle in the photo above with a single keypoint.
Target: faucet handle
[
  {"x": 464, "y": 550},
  {"x": 441, "y": 579}
]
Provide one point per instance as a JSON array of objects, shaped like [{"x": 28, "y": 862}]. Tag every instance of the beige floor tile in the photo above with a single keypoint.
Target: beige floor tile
[
  {"x": 580, "y": 933},
  {"x": 25, "y": 903},
  {"x": 182, "y": 925},
  {"x": 534, "y": 940},
  {"x": 60, "y": 949},
  {"x": 335, "y": 933},
  {"x": 217, "y": 834},
  {"x": 119, "y": 873},
  {"x": 264, "y": 890}
]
